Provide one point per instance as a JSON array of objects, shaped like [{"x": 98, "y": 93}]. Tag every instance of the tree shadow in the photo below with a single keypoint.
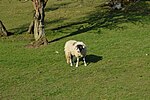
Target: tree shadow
[
  {"x": 111, "y": 19},
  {"x": 100, "y": 18},
  {"x": 56, "y": 6},
  {"x": 72, "y": 34},
  {"x": 106, "y": 18},
  {"x": 54, "y": 21},
  {"x": 19, "y": 30},
  {"x": 24, "y": 28},
  {"x": 93, "y": 58},
  {"x": 10, "y": 33}
]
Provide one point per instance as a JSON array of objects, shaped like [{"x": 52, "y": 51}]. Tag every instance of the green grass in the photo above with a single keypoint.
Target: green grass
[{"x": 117, "y": 41}]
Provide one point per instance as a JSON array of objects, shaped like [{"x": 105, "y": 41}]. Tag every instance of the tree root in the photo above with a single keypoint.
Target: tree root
[{"x": 38, "y": 43}]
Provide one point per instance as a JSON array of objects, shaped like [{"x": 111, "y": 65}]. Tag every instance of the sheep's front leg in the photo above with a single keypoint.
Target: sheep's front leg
[
  {"x": 71, "y": 62},
  {"x": 84, "y": 61},
  {"x": 77, "y": 63}
]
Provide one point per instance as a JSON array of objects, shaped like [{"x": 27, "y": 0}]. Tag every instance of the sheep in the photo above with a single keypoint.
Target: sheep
[{"x": 77, "y": 49}]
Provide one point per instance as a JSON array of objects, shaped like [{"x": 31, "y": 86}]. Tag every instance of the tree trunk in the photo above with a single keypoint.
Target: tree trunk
[
  {"x": 37, "y": 25},
  {"x": 3, "y": 31},
  {"x": 38, "y": 19},
  {"x": 31, "y": 28}
]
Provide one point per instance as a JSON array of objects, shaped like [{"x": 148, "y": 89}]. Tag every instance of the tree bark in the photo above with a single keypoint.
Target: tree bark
[{"x": 31, "y": 28}]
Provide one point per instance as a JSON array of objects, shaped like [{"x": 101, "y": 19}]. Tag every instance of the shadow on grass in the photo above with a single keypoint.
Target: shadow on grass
[
  {"x": 110, "y": 19},
  {"x": 54, "y": 21},
  {"x": 10, "y": 33},
  {"x": 93, "y": 58},
  {"x": 72, "y": 34},
  {"x": 24, "y": 28},
  {"x": 56, "y": 6},
  {"x": 100, "y": 18},
  {"x": 21, "y": 29}
]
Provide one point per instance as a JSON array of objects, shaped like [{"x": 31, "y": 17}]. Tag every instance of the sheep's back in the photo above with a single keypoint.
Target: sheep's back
[{"x": 69, "y": 45}]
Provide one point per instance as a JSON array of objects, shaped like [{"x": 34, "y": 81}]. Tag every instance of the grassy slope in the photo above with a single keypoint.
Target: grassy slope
[{"x": 117, "y": 46}]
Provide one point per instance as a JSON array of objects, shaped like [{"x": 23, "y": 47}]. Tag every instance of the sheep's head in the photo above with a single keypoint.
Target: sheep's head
[{"x": 79, "y": 48}]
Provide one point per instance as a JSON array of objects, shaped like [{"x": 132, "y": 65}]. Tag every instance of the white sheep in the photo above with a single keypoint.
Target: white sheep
[{"x": 77, "y": 49}]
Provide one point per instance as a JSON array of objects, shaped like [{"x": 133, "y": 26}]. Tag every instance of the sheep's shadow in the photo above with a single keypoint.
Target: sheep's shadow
[{"x": 93, "y": 58}]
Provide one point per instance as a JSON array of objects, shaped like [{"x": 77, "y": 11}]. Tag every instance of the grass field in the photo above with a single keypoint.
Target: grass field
[{"x": 118, "y": 56}]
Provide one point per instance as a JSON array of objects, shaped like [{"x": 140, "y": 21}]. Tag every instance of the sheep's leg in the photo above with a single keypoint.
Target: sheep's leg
[
  {"x": 71, "y": 62},
  {"x": 84, "y": 61},
  {"x": 77, "y": 63},
  {"x": 67, "y": 57}
]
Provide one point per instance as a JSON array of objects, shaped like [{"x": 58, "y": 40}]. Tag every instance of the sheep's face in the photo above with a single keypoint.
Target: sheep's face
[{"x": 79, "y": 48}]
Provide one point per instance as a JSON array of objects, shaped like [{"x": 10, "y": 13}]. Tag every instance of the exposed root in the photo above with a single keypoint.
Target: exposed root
[{"x": 38, "y": 43}]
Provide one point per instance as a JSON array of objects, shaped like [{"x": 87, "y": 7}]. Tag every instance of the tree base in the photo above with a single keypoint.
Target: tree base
[{"x": 36, "y": 44}]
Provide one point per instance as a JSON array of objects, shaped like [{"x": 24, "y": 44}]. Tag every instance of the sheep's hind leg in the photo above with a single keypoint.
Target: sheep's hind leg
[
  {"x": 84, "y": 61},
  {"x": 67, "y": 57}
]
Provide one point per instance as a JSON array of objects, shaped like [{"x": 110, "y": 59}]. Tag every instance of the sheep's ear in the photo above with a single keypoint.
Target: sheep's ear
[{"x": 83, "y": 46}]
